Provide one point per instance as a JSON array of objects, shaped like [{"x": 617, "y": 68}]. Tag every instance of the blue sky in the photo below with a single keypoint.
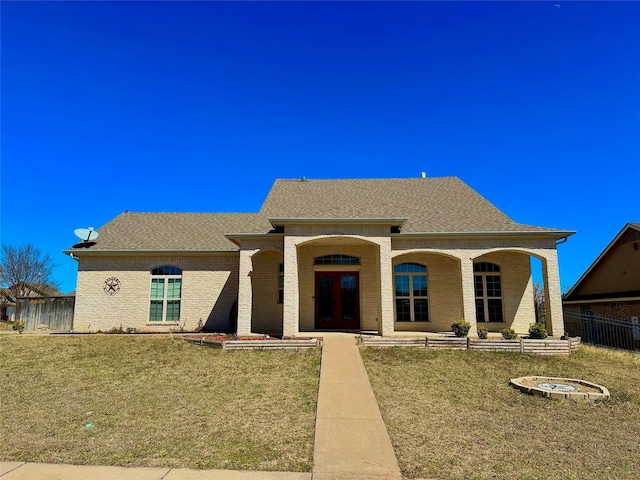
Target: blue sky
[{"x": 163, "y": 106}]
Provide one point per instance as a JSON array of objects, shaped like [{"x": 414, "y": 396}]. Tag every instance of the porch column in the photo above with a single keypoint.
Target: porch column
[
  {"x": 468, "y": 295},
  {"x": 291, "y": 303},
  {"x": 245, "y": 294},
  {"x": 552, "y": 298},
  {"x": 385, "y": 323}
]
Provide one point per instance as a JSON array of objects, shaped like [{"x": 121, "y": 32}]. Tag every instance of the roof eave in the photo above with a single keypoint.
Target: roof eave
[
  {"x": 77, "y": 251},
  {"x": 556, "y": 234},
  {"x": 393, "y": 221},
  {"x": 236, "y": 237}
]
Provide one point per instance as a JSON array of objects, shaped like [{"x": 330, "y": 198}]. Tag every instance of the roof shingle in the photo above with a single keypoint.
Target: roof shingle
[{"x": 431, "y": 205}]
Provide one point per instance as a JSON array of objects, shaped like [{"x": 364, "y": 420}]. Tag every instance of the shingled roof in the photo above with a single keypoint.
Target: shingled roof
[
  {"x": 430, "y": 205},
  {"x": 136, "y": 231}
]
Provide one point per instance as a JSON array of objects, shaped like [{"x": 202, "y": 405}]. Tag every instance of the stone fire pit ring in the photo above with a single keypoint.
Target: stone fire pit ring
[{"x": 559, "y": 387}]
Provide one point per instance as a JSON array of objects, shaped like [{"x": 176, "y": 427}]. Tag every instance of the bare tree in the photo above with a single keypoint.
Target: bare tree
[
  {"x": 25, "y": 269},
  {"x": 538, "y": 301}
]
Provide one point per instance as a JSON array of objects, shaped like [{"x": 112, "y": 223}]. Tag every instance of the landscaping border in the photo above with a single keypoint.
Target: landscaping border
[
  {"x": 522, "y": 345},
  {"x": 258, "y": 343}
]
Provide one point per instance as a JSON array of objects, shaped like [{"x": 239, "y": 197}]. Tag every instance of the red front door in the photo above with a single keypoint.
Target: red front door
[{"x": 337, "y": 300}]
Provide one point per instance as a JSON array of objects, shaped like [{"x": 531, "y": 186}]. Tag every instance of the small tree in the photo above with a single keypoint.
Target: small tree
[{"x": 25, "y": 269}]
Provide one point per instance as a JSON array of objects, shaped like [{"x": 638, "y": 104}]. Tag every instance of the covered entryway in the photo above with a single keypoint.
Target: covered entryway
[{"x": 337, "y": 300}]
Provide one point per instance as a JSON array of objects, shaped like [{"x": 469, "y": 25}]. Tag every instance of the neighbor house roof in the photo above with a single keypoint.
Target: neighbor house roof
[
  {"x": 430, "y": 205},
  {"x": 629, "y": 235},
  {"x": 419, "y": 205}
]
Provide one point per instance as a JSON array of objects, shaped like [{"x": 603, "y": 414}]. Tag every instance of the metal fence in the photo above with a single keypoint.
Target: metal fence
[
  {"x": 603, "y": 331},
  {"x": 54, "y": 312}
]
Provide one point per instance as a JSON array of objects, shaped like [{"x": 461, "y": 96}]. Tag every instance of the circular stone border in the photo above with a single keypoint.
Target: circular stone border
[{"x": 532, "y": 386}]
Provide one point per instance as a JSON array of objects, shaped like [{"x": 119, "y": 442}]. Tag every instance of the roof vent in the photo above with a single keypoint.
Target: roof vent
[
  {"x": 424, "y": 174},
  {"x": 303, "y": 179}
]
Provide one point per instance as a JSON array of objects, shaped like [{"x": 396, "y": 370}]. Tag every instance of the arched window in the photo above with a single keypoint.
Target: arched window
[
  {"x": 166, "y": 291},
  {"x": 412, "y": 301},
  {"x": 336, "y": 260},
  {"x": 488, "y": 289}
]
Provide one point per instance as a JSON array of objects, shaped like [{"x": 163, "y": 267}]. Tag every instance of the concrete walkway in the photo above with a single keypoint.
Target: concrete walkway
[{"x": 351, "y": 441}]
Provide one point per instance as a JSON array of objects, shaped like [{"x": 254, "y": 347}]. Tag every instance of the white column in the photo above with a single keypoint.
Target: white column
[
  {"x": 468, "y": 295},
  {"x": 386, "y": 323},
  {"x": 552, "y": 296},
  {"x": 245, "y": 293},
  {"x": 291, "y": 301}
]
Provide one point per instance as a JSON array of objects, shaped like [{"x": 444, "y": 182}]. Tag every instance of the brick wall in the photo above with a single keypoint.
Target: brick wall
[
  {"x": 620, "y": 310},
  {"x": 266, "y": 312},
  {"x": 209, "y": 289}
]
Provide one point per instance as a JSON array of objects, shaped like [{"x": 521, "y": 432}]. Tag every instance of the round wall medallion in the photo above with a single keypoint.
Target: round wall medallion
[{"x": 111, "y": 286}]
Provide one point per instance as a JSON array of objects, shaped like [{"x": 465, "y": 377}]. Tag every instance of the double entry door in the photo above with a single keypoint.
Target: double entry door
[{"x": 337, "y": 300}]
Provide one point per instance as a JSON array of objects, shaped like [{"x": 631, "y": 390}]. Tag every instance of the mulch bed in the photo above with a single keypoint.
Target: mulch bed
[{"x": 219, "y": 337}]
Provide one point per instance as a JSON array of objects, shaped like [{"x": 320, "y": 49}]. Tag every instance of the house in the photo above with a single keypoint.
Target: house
[
  {"x": 611, "y": 285},
  {"x": 380, "y": 255}
]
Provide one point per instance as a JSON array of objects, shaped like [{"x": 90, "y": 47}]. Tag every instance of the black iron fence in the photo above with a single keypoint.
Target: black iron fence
[{"x": 603, "y": 331}]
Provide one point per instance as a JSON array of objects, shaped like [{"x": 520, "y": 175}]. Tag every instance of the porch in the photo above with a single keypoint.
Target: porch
[{"x": 313, "y": 284}]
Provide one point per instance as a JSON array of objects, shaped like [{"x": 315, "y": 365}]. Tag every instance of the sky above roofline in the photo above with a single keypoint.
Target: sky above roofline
[{"x": 199, "y": 106}]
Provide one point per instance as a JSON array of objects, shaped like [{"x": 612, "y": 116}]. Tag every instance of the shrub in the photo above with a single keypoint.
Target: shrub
[
  {"x": 508, "y": 333},
  {"x": 482, "y": 332},
  {"x": 460, "y": 328},
  {"x": 537, "y": 330},
  {"x": 132, "y": 330},
  {"x": 18, "y": 326}
]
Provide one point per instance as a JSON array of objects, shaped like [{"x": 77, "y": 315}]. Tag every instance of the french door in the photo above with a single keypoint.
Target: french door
[{"x": 337, "y": 300}]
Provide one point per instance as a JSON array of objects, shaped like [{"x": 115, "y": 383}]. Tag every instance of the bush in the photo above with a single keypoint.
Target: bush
[
  {"x": 537, "y": 330},
  {"x": 508, "y": 333},
  {"x": 460, "y": 328},
  {"x": 18, "y": 326},
  {"x": 482, "y": 332}
]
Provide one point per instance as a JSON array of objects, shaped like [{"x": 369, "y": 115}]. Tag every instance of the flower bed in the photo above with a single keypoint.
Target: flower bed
[{"x": 232, "y": 342}]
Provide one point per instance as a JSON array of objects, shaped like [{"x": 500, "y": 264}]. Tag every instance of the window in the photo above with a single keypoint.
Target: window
[
  {"x": 412, "y": 303},
  {"x": 488, "y": 288},
  {"x": 166, "y": 290},
  {"x": 336, "y": 260},
  {"x": 281, "y": 284}
]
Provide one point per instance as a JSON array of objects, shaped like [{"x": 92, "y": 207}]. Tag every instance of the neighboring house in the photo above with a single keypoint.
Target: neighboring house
[
  {"x": 611, "y": 285},
  {"x": 381, "y": 255}
]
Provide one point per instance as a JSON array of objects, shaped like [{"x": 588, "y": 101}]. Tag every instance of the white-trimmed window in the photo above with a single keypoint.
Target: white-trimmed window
[
  {"x": 412, "y": 301},
  {"x": 488, "y": 288},
  {"x": 166, "y": 291}
]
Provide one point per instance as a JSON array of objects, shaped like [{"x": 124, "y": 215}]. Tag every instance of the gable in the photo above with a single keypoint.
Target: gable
[{"x": 616, "y": 272}]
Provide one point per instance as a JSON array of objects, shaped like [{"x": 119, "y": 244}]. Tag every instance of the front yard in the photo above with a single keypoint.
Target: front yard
[
  {"x": 452, "y": 415},
  {"x": 147, "y": 400}
]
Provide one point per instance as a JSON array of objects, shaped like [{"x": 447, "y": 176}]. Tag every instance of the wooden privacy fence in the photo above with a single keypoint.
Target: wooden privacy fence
[
  {"x": 54, "y": 312},
  {"x": 522, "y": 345}
]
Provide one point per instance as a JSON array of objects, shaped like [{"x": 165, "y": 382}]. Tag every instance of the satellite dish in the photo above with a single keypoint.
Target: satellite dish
[{"x": 86, "y": 234}]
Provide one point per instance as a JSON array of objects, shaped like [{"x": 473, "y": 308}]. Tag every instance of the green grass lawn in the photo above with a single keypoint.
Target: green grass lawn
[
  {"x": 155, "y": 401},
  {"x": 452, "y": 415}
]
